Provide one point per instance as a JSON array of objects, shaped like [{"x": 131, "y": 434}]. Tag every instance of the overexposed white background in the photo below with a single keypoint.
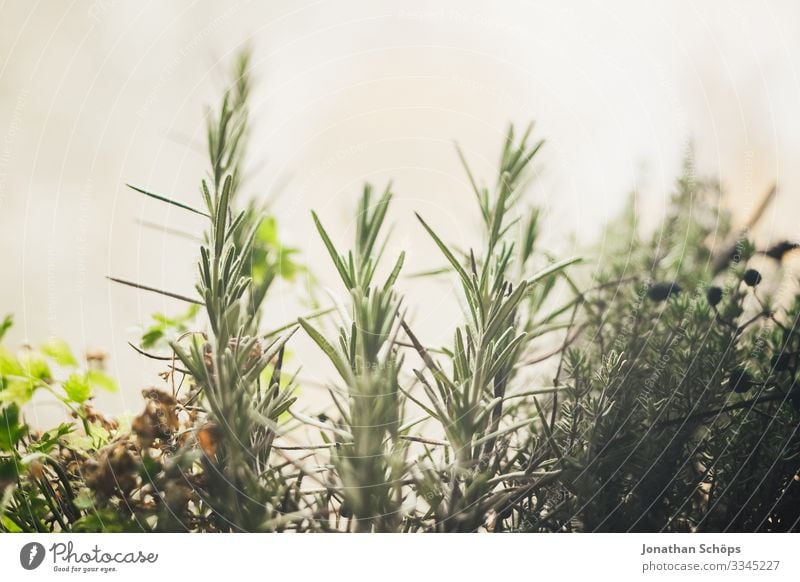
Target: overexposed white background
[{"x": 97, "y": 94}]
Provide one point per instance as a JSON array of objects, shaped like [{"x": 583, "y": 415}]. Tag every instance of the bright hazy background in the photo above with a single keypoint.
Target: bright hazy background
[{"x": 97, "y": 94}]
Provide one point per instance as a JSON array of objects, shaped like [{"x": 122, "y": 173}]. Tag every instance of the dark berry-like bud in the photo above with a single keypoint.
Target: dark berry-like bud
[
  {"x": 714, "y": 295},
  {"x": 780, "y": 362},
  {"x": 345, "y": 511},
  {"x": 752, "y": 277},
  {"x": 740, "y": 380},
  {"x": 660, "y": 291}
]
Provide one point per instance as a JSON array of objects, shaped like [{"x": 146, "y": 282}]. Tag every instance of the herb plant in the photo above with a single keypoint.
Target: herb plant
[{"x": 653, "y": 388}]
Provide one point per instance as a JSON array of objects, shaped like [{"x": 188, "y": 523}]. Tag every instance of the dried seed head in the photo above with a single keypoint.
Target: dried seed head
[
  {"x": 94, "y": 417},
  {"x": 159, "y": 396},
  {"x": 208, "y": 437},
  {"x": 96, "y": 356},
  {"x": 255, "y": 352},
  {"x": 36, "y": 469},
  {"x": 159, "y": 420},
  {"x": 112, "y": 472}
]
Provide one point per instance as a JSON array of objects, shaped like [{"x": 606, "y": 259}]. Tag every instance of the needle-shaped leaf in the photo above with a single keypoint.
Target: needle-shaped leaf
[
  {"x": 335, "y": 357},
  {"x": 334, "y": 254},
  {"x": 457, "y": 266},
  {"x": 167, "y": 200}
]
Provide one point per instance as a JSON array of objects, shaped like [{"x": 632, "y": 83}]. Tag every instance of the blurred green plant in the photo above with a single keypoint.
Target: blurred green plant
[
  {"x": 36, "y": 490},
  {"x": 681, "y": 401}
]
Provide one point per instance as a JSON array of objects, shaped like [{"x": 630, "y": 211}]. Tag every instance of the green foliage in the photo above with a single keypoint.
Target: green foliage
[
  {"x": 227, "y": 369},
  {"x": 166, "y": 329},
  {"x": 471, "y": 402},
  {"x": 11, "y": 431},
  {"x": 36, "y": 483},
  {"x": 8, "y": 321},
  {"x": 77, "y": 388},
  {"x": 369, "y": 456},
  {"x": 58, "y": 351},
  {"x": 652, "y": 435},
  {"x": 656, "y": 392}
]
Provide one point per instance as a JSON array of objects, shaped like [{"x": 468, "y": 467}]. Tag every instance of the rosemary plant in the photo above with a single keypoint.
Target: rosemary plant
[
  {"x": 470, "y": 403},
  {"x": 230, "y": 366},
  {"x": 369, "y": 456}
]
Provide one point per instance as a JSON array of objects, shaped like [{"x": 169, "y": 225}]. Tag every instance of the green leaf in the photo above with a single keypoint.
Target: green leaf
[
  {"x": 49, "y": 439},
  {"x": 10, "y": 429},
  {"x": 84, "y": 500},
  {"x": 78, "y": 442},
  {"x": 344, "y": 273},
  {"x": 9, "y": 469},
  {"x": 164, "y": 324},
  {"x": 105, "y": 521},
  {"x": 288, "y": 268},
  {"x": 161, "y": 318},
  {"x": 151, "y": 337},
  {"x": 447, "y": 253},
  {"x": 268, "y": 232},
  {"x": 554, "y": 268},
  {"x": 58, "y": 351},
  {"x": 9, "y": 364},
  {"x": 8, "y": 321},
  {"x": 9, "y": 525},
  {"x": 17, "y": 392},
  {"x": 99, "y": 435},
  {"x": 98, "y": 379},
  {"x": 149, "y": 468},
  {"x": 167, "y": 200},
  {"x": 34, "y": 365},
  {"x": 395, "y": 272},
  {"x": 77, "y": 388},
  {"x": 341, "y": 365}
]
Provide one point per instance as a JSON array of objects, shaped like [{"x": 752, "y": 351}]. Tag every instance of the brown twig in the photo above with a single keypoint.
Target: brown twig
[
  {"x": 151, "y": 356},
  {"x": 568, "y": 341},
  {"x": 723, "y": 259},
  {"x": 418, "y": 439},
  {"x": 730, "y": 407}
]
